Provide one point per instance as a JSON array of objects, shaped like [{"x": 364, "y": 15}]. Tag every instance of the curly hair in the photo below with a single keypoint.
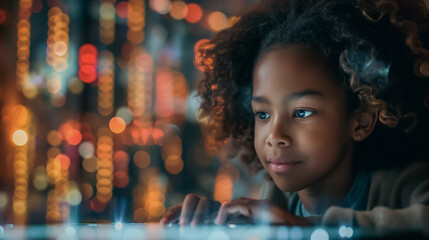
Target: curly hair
[{"x": 376, "y": 49}]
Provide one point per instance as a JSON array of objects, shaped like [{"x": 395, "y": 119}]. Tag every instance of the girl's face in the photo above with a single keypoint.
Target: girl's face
[{"x": 302, "y": 129}]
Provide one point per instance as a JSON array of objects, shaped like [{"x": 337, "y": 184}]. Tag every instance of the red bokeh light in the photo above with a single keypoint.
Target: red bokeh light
[
  {"x": 88, "y": 63},
  {"x": 195, "y": 13},
  {"x": 2, "y": 16},
  {"x": 73, "y": 137},
  {"x": 37, "y": 6},
  {"x": 121, "y": 179},
  {"x": 64, "y": 161},
  {"x": 121, "y": 159},
  {"x": 97, "y": 206},
  {"x": 123, "y": 9}
]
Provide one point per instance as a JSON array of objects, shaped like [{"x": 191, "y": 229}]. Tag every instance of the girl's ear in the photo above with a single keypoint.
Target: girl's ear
[{"x": 363, "y": 123}]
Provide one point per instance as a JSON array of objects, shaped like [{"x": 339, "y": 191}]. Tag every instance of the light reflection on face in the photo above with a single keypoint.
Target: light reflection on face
[{"x": 302, "y": 129}]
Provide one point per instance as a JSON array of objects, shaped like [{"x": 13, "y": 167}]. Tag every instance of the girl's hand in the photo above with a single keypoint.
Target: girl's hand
[
  {"x": 260, "y": 211},
  {"x": 194, "y": 210}
]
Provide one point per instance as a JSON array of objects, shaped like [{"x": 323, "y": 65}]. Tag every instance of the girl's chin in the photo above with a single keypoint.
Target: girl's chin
[{"x": 286, "y": 185}]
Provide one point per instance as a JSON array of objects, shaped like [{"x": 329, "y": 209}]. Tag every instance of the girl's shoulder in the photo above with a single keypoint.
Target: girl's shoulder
[
  {"x": 416, "y": 169},
  {"x": 400, "y": 187}
]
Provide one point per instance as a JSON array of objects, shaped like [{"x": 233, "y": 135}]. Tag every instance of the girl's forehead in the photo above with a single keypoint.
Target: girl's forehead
[
  {"x": 291, "y": 70},
  {"x": 297, "y": 52}
]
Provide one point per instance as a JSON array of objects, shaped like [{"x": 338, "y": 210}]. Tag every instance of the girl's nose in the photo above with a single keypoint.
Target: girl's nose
[
  {"x": 278, "y": 136},
  {"x": 279, "y": 140}
]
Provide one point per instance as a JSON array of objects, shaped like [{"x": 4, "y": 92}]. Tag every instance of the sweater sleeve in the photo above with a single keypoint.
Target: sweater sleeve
[
  {"x": 398, "y": 199},
  {"x": 413, "y": 217}
]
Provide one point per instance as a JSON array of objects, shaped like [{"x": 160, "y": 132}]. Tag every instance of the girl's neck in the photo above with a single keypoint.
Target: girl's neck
[{"x": 331, "y": 190}]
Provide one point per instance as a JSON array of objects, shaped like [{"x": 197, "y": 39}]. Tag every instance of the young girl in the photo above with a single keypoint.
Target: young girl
[{"x": 331, "y": 98}]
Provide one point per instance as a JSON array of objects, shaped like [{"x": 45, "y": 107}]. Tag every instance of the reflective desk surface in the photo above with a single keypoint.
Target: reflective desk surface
[{"x": 229, "y": 232}]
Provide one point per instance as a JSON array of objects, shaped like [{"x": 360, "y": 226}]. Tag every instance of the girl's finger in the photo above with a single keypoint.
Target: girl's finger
[
  {"x": 201, "y": 211},
  {"x": 188, "y": 208},
  {"x": 232, "y": 209},
  {"x": 172, "y": 213}
]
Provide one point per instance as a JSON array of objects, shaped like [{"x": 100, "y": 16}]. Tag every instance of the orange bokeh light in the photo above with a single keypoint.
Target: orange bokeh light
[
  {"x": 117, "y": 125},
  {"x": 64, "y": 161},
  {"x": 223, "y": 189},
  {"x": 73, "y": 137},
  {"x": 194, "y": 14},
  {"x": 86, "y": 190},
  {"x": 156, "y": 209},
  {"x": 21, "y": 115},
  {"x": 142, "y": 159},
  {"x": 178, "y": 10},
  {"x": 217, "y": 21}
]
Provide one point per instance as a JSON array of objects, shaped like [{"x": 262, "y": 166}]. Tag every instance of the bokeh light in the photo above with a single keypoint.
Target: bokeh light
[
  {"x": 160, "y": 6},
  {"x": 194, "y": 13},
  {"x": 95, "y": 111},
  {"x": 73, "y": 137},
  {"x": 125, "y": 114},
  {"x": 178, "y": 10},
  {"x": 75, "y": 85},
  {"x": 21, "y": 116},
  {"x": 58, "y": 100},
  {"x": 64, "y": 161},
  {"x": 54, "y": 138},
  {"x": 88, "y": 54},
  {"x": 156, "y": 209},
  {"x": 139, "y": 215},
  {"x": 136, "y": 21},
  {"x": 173, "y": 164},
  {"x": 20, "y": 137},
  {"x": 40, "y": 181},
  {"x": 97, "y": 206},
  {"x": 217, "y": 21},
  {"x": 106, "y": 83},
  {"x": 3, "y": 200},
  {"x": 2, "y": 16},
  {"x": 74, "y": 197},
  {"x": 123, "y": 9},
  {"x": 37, "y": 6},
  {"x": 58, "y": 41},
  {"x": 223, "y": 189},
  {"x": 90, "y": 164},
  {"x": 120, "y": 161},
  {"x": 117, "y": 125},
  {"x": 53, "y": 152},
  {"x": 86, "y": 149},
  {"x": 86, "y": 190},
  {"x": 107, "y": 22},
  {"x": 141, "y": 159}
]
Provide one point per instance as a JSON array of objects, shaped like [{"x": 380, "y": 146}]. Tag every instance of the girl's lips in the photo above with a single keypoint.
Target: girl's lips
[{"x": 282, "y": 166}]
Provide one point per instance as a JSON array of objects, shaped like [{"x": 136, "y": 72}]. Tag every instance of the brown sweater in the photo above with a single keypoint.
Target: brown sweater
[{"x": 397, "y": 199}]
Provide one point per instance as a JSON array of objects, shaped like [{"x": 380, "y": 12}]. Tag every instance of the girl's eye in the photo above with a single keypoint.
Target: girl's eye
[
  {"x": 301, "y": 113},
  {"x": 262, "y": 115}
]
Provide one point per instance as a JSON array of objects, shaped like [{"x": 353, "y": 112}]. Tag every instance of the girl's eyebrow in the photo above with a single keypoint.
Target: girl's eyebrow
[{"x": 291, "y": 97}]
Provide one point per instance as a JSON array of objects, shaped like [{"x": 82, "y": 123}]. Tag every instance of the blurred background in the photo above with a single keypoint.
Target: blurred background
[{"x": 98, "y": 110}]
